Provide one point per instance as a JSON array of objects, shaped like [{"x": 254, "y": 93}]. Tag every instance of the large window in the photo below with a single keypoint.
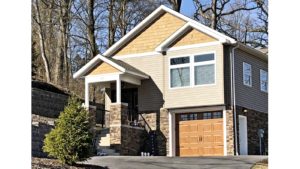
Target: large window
[
  {"x": 263, "y": 80},
  {"x": 247, "y": 74},
  {"x": 192, "y": 70},
  {"x": 180, "y": 72}
]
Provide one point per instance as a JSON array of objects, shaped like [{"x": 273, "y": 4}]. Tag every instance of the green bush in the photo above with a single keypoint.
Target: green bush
[{"x": 71, "y": 139}]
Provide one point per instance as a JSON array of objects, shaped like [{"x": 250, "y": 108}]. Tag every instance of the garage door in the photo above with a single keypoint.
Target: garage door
[{"x": 199, "y": 134}]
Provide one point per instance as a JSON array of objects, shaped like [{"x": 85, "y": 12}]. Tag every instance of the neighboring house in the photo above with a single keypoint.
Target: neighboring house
[{"x": 203, "y": 92}]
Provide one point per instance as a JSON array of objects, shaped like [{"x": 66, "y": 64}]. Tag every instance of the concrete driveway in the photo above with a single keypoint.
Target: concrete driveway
[{"x": 161, "y": 162}]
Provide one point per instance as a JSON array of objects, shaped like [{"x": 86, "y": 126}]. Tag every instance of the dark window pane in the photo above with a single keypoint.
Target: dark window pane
[
  {"x": 217, "y": 115},
  {"x": 206, "y": 115},
  {"x": 203, "y": 58},
  {"x": 181, "y": 60}
]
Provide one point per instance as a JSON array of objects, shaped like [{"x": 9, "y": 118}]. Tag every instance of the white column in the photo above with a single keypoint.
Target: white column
[
  {"x": 86, "y": 99},
  {"x": 118, "y": 88}
]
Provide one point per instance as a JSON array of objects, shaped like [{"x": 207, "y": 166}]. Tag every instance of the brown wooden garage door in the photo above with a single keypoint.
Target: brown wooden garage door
[{"x": 199, "y": 134}]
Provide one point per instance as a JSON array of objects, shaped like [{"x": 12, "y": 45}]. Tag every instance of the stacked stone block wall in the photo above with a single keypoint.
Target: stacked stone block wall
[{"x": 229, "y": 132}]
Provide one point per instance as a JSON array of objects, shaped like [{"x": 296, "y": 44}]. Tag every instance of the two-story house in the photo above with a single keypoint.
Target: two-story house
[{"x": 201, "y": 92}]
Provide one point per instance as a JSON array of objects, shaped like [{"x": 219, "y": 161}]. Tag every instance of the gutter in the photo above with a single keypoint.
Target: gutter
[{"x": 233, "y": 95}]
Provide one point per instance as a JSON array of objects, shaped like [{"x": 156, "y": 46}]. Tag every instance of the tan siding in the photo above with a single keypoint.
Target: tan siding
[
  {"x": 200, "y": 95},
  {"x": 250, "y": 97},
  {"x": 193, "y": 37},
  {"x": 150, "y": 92},
  {"x": 102, "y": 69},
  {"x": 153, "y": 35}
]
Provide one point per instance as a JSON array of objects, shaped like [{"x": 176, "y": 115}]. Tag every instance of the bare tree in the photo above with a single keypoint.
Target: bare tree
[
  {"x": 37, "y": 19},
  {"x": 91, "y": 28},
  {"x": 176, "y": 4}
]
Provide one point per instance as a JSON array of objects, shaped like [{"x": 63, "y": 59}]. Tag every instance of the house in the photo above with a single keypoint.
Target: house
[{"x": 203, "y": 93}]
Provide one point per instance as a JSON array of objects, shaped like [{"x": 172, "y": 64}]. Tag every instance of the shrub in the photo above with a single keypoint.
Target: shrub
[{"x": 71, "y": 139}]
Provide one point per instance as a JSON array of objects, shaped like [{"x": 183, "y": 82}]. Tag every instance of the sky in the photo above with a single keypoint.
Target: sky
[{"x": 187, "y": 8}]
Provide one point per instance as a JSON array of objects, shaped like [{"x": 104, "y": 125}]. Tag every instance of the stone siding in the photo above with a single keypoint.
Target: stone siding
[
  {"x": 229, "y": 132},
  {"x": 163, "y": 133},
  {"x": 39, "y": 127},
  {"x": 151, "y": 119},
  {"x": 255, "y": 120},
  {"x": 133, "y": 139}
]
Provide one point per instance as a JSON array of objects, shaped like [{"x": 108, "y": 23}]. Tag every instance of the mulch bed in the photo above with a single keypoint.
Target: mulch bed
[
  {"x": 263, "y": 164},
  {"x": 44, "y": 163}
]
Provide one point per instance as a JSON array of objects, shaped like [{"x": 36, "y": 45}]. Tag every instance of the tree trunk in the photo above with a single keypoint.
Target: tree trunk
[
  {"x": 42, "y": 42},
  {"x": 91, "y": 28},
  {"x": 111, "y": 27},
  {"x": 176, "y": 4},
  {"x": 123, "y": 20},
  {"x": 214, "y": 19}
]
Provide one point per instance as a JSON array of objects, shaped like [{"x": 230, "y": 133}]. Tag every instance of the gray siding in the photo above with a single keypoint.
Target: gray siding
[{"x": 250, "y": 97}]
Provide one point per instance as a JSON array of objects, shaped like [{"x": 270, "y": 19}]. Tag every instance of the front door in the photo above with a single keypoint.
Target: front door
[{"x": 200, "y": 134}]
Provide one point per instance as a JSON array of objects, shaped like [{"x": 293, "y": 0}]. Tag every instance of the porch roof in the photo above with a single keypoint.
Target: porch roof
[{"x": 118, "y": 64}]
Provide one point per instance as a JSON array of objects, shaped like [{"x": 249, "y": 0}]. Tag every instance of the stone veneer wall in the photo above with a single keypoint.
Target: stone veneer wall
[
  {"x": 229, "y": 132},
  {"x": 255, "y": 120},
  {"x": 163, "y": 133},
  {"x": 151, "y": 119},
  {"x": 125, "y": 139},
  {"x": 39, "y": 127},
  {"x": 132, "y": 140}
]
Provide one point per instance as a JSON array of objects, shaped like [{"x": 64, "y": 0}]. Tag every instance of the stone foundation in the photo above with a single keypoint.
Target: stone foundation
[
  {"x": 125, "y": 139},
  {"x": 229, "y": 132},
  {"x": 163, "y": 133},
  {"x": 255, "y": 120}
]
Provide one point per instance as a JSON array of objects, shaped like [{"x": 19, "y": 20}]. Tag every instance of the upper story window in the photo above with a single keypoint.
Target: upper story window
[
  {"x": 180, "y": 71},
  {"x": 192, "y": 70},
  {"x": 204, "y": 69},
  {"x": 247, "y": 74},
  {"x": 263, "y": 80}
]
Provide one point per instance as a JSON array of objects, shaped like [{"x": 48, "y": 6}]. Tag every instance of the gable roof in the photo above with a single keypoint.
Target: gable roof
[
  {"x": 156, "y": 13},
  {"x": 190, "y": 23},
  {"x": 118, "y": 64}
]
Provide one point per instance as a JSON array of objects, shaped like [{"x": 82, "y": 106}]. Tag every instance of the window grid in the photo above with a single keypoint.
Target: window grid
[
  {"x": 263, "y": 80},
  {"x": 192, "y": 66}
]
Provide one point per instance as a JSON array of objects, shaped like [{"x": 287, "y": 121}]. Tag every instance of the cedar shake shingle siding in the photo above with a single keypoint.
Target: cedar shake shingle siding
[
  {"x": 153, "y": 35},
  {"x": 191, "y": 37},
  {"x": 250, "y": 97}
]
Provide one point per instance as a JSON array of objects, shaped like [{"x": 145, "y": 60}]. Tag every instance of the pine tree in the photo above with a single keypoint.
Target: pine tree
[{"x": 71, "y": 139}]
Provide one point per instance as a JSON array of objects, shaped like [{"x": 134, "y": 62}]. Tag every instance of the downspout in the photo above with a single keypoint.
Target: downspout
[{"x": 233, "y": 95}]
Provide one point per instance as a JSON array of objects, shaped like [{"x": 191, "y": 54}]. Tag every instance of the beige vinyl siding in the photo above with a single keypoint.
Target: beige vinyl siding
[
  {"x": 103, "y": 68},
  {"x": 150, "y": 97},
  {"x": 198, "y": 95},
  {"x": 250, "y": 97}
]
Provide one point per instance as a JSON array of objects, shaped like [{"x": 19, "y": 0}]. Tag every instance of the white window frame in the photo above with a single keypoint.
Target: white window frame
[
  {"x": 267, "y": 80},
  {"x": 244, "y": 64},
  {"x": 192, "y": 65}
]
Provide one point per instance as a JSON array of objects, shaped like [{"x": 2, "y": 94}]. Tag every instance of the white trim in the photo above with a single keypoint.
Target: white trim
[
  {"x": 86, "y": 94},
  {"x": 118, "y": 90},
  {"x": 182, "y": 30},
  {"x": 102, "y": 78},
  {"x": 199, "y": 45},
  {"x": 192, "y": 65},
  {"x": 225, "y": 132},
  {"x": 120, "y": 57},
  {"x": 172, "y": 140}
]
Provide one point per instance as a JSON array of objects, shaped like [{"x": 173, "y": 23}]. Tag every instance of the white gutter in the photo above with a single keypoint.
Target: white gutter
[{"x": 233, "y": 96}]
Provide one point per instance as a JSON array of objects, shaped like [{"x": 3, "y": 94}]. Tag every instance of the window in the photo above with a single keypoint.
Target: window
[
  {"x": 207, "y": 115},
  {"x": 247, "y": 74},
  {"x": 217, "y": 115},
  {"x": 192, "y": 70},
  {"x": 263, "y": 80}
]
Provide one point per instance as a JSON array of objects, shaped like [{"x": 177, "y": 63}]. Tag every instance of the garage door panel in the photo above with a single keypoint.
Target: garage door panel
[{"x": 200, "y": 137}]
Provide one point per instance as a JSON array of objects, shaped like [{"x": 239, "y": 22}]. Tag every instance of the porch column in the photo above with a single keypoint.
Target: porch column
[
  {"x": 86, "y": 99},
  {"x": 118, "y": 88}
]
